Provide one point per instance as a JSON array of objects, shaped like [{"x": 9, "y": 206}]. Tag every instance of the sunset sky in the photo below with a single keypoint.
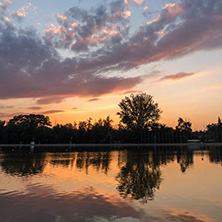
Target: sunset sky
[{"x": 74, "y": 59}]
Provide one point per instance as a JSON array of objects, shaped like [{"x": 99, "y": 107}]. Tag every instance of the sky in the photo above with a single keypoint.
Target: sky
[{"x": 75, "y": 59}]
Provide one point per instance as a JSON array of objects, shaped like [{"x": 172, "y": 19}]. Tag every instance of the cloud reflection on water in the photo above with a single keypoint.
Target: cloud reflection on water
[{"x": 103, "y": 186}]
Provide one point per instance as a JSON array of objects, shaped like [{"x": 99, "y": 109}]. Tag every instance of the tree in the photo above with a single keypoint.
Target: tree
[
  {"x": 214, "y": 131},
  {"x": 2, "y": 130},
  {"x": 30, "y": 121},
  {"x": 139, "y": 112},
  {"x": 26, "y": 128},
  {"x": 215, "y": 126},
  {"x": 184, "y": 125}
]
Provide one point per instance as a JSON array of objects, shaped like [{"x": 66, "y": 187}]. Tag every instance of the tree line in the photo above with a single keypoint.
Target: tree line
[{"x": 139, "y": 123}]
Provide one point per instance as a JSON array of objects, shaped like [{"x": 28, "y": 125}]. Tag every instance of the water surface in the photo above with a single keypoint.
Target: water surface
[{"x": 141, "y": 184}]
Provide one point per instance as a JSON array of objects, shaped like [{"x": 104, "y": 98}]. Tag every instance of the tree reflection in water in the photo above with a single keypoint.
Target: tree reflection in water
[
  {"x": 98, "y": 160},
  {"x": 215, "y": 155},
  {"x": 23, "y": 164},
  {"x": 83, "y": 160},
  {"x": 185, "y": 159},
  {"x": 139, "y": 173},
  {"x": 139, "y": 178}
]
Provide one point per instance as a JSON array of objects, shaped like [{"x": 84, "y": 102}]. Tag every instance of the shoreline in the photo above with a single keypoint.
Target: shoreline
[{"x": 112, "y": 145}]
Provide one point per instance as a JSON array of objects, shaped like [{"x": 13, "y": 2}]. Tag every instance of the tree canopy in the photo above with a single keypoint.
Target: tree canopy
[
  {"x": 139, "y": 112},
  {"x": 184, "y": 125},
  {"x": 30, "y": 121}
]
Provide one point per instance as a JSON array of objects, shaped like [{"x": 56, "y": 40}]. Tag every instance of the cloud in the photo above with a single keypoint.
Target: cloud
[
  {"x": 35, "y": 108},
  {"x": 130, "y": 92},
  {"x": 81, "y": 30},
  {"x": 49, "y": 100},
  {"x": 177, "y": 76},
  {"x": 47, "y": 112},
  {"x": 139, "y": 2},
  {"x": 3, "y": 7},
  {"x": 80, "y": 200},
  {"x": 8, "y": 2},
  {"x": 8, "y": 115},
  {"x": 185, "y": 216},
  {"x": 52, "y": 112},
  {"x": 115, "y": 219},
  {"x": 6, "y": 107},
  {"x": 214, "y": 87},
  {"x": 217, "y": 86},
  {"x": 101, "y": 42},
  {"x": 93, "y": 100},
  {"x": 22, "y": 12}
]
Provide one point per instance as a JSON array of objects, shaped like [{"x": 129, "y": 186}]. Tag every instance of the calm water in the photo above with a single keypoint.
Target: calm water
[{"x": 159, "y": 184}]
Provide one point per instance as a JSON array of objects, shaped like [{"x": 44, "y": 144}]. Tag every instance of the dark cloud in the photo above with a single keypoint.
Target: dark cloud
[
  {"x": 47, "y": 112},
  {"x": 52, "y": 112},
  {"x": 93, "y": 100},
  {"x": 31, "y": 67},
  {"x": 49, "y": 100},
  {"x": 177, "y": 76},
  {"x": 35, "y": 108}
]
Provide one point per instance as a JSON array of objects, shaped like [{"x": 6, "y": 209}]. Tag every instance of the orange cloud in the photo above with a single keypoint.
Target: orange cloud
[
  {"x": 130, "y": 92},
  {"x": 173, "y": 9},
  {"x": 124, "y": 14},
  {"x": 23, "y": 11},
  {"x": 61, "y": 17},
  {"x": 139, "y": 2},
  {"x": 217, "y": 86},
  {"x": 55, "y": 30},
  {"x": 7, "y": 19}
]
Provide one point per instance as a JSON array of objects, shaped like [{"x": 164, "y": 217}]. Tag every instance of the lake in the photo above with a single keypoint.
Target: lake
[{"x": 127, "y": 185}]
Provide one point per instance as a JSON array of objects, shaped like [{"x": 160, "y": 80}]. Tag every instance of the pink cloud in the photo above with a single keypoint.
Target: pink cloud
[
  {"x": 23, "y": 11},
  {"x": 177, "y": 76},
  {"x": 139, "y": 2}
]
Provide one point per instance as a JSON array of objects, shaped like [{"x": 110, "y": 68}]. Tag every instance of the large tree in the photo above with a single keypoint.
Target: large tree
[
  {"x": 139, "y": 112},
  {"x": 26, "y": 128},
  {"x": 30, "y": 121}
]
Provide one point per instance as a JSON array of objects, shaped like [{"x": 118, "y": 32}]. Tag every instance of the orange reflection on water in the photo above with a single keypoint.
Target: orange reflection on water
[{"x": 155, "y": 184}]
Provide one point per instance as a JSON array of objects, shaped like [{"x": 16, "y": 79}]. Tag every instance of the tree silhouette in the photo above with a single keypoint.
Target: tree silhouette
[
  {"x": 184, "y": 125},
  {"x": 138, "y": 112},
  {"x": 26, "y": 128},
  {"x": 30, "y": 121}
]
